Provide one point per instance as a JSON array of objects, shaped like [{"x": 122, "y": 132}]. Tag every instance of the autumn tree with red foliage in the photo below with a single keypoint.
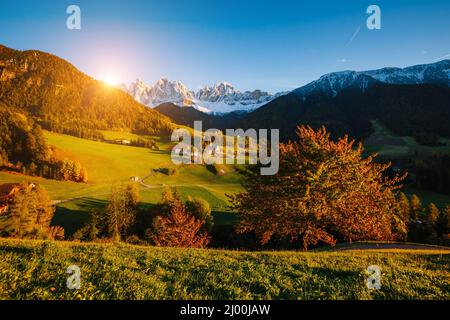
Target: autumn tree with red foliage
[
  {"x": 324, "y": 191},
  {"x": 178, "y": 228}
]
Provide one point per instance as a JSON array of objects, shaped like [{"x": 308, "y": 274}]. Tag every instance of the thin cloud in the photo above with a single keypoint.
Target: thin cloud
[
  {"x": 342, "y": 60},
  {"x": 358, "y": 29}
]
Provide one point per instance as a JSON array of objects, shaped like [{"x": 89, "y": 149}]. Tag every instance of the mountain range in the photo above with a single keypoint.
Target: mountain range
[
  {"x": 223, "y": 98},
  {"x": 48, "y": 89},
  {"x": 220, "y": 98},
  {"x": 331, "y": 84},
  {"x": 409, "y": 101}
]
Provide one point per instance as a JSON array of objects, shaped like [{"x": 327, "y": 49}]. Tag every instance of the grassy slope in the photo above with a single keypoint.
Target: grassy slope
[
  {"x": 109, "y": 163},
  {"x": 37, "y": 270},
  {"x": 391, "y": 146},
  {"x": 387, "y": 144}
]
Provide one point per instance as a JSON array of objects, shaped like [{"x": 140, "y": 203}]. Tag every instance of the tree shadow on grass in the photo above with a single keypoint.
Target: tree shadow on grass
[{"x": 72, "y": 219}]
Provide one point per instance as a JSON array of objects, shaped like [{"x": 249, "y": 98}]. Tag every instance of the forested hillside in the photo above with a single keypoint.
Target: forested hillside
[
  {"x": 23, "y": 148},
  {"x": 62, "y": 99},
  {"x": 20, "y": 139},
  {"x": 412, "y": 110},
  {"x": 187, "y": 116}
]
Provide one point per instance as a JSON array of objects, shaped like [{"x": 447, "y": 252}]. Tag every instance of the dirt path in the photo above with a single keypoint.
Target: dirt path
[{"x": 141, "y": 181}]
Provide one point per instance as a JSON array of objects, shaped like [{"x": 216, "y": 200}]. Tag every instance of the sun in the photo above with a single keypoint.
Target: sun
[{"x": 111, "y": 80}]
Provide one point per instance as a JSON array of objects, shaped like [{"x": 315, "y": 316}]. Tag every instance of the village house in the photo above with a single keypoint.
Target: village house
[{"x": 124, "y": 142}]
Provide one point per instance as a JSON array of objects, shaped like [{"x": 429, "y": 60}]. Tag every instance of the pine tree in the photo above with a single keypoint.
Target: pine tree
[
  {"x": 443, "y": 226},
  {"x": 76, "y": 172},
  {"x": 430, "y": 224},
  {"x": 432, "y": 214},
  {"x": 132, "y": 197},
  {"x": 121, "y": 210},
  {"x": 403, "y": 215},
  {"x": 404, "y": 206},
  {"x": 93, "y": 229},
  {"x": 416, "y": 207},
  {"x": 84, "y": 175}
]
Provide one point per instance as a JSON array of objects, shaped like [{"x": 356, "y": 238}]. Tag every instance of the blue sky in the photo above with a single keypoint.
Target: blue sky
[{"x": 270, "y": 45}]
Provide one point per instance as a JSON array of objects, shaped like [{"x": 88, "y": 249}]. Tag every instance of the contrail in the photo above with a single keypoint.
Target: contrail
[{"x": 354, "y": 35}]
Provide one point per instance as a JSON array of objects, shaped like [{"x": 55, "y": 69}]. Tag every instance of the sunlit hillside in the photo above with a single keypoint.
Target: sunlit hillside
[{"x": 108, "y": 163}]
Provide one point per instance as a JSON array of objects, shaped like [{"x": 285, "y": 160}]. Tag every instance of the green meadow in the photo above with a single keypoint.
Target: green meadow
[
  {"x": 390, "y": 146},
  {"x": 108, "y": 163},
  {"x": 37, "y": 270},
  {"x": 384, "y": 142}
]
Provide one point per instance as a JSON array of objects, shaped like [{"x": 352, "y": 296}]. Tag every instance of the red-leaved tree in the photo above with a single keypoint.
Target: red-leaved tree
[{"x": 325, "y": 190}]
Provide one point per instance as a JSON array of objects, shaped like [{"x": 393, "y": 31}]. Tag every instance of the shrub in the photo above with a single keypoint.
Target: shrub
[{"x": 201, "y": 210}]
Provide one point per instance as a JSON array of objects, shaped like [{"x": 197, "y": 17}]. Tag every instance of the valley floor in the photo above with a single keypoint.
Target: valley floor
[
  {"x": 109, "y": 164},
  {"x": 37, "y": 270}
]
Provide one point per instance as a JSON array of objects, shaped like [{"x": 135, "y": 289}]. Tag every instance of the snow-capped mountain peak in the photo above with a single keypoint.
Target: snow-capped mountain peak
[
  {"x": 220, "y": 98},
  {"x": 162, "y": 91},
  {"x": 437, "y": 73},
  {"x": 332, "y": 83}
]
